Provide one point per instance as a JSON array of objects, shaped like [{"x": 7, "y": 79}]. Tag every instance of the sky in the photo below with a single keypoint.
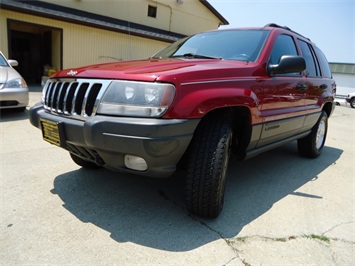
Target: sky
[{"x": 330, "y": 24}]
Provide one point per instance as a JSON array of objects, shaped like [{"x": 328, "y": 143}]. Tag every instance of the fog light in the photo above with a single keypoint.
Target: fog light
[{"x": 135, "y": 163}]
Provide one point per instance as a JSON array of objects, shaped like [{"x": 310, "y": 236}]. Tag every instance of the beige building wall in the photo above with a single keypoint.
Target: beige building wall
[
  {"x": 3, "y": 33},
  {"x": 172, "y": 15},
  {"x": 84, "y": 45}
]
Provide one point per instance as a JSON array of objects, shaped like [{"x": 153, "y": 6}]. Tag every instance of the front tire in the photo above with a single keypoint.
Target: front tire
[
  {"x": 312, "y": 145},
  {"x": 207, "y": 164},
  {"x": 83, "y": 163}
]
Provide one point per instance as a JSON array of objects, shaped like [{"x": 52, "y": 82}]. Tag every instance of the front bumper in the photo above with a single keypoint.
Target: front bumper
[
  {"x": 13, "y": 97},
  {"x": 105, "y": 140}
]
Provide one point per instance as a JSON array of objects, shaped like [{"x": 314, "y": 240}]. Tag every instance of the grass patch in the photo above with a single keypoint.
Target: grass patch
[
  {"x": 241, "y": 239},
  {"x": 281, "y": 239},
  {"x": 230, "y": 242},
  {"x": 246, "y": 263},
  {"x": 322, "y": 238}
]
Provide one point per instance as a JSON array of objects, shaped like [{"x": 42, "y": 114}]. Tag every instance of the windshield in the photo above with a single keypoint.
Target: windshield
[{"x": 241, "y": 45}]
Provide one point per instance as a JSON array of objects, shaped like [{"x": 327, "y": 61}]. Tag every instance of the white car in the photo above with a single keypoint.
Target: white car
[
  {"x": 13, "y": 88},
  {"x": 351, "y": 99}
]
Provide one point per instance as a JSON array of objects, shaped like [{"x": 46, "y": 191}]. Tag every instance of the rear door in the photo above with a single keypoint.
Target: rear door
[
  {"x": 319, "y": 81},
  {"x": 313, "y": 74}
]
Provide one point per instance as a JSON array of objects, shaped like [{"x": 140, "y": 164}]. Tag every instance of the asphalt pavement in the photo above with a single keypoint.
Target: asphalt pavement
[{"x": 280, "y": 208}]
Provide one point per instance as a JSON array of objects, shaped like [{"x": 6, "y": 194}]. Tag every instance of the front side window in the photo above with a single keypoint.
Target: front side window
[
  {"x": 284, "y": 45},
  {"x": 239, "y": 45}
]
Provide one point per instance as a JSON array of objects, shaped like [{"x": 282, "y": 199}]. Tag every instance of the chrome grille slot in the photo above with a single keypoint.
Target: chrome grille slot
[
  {"x": 54, "y": 96},
  {"x": 76, "y": 98},
  {"x": 61, "y": 97},
  {"x": 90, "y": 99},
  {"x": 68, "y": 98}
]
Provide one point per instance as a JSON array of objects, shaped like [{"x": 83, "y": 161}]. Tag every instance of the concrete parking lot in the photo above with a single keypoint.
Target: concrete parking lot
[{"x": 280, "y": 208}]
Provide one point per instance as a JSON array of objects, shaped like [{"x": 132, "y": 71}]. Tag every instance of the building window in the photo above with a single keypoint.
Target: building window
[{"x": 152, "y": 11}]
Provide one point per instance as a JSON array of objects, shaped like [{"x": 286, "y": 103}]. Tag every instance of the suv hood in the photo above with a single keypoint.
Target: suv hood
[{"x": 168, "y": 70}]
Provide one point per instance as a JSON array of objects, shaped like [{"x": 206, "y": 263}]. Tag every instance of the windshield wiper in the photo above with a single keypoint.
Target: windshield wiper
[{"x": 191, "y": 55}]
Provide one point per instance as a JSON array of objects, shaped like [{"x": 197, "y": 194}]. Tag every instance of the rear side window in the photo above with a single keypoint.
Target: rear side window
[
  {"x": 312, "y": 68},
  {"x": 323, "y": 63}
]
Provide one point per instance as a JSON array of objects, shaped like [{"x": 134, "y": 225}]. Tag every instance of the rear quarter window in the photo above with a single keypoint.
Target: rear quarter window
[{"x": 323, "y": 63}]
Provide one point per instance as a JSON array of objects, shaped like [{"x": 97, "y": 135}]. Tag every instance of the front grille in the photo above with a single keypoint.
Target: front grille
[{"x": 77, "y": 98}]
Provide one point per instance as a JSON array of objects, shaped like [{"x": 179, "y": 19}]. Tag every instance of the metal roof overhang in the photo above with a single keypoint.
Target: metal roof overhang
[
  {"x": 215, "y": 12},
  {"x": 61, "y": 13}
]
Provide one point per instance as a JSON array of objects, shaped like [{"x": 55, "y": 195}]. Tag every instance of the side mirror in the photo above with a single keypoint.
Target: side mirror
[
  {"x": 12, "y": 62},
  {"x": 287, "y": 64}
]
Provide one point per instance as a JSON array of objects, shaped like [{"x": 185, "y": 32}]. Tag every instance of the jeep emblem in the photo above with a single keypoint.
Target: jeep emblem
[{"x": 72, "y": 73}]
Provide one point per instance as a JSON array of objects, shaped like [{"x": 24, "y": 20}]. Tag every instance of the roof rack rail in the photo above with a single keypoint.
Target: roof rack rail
[{"x": 274, "y": 25}]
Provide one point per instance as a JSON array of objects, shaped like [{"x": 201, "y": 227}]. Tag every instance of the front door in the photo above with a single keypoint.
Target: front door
[{"x": 283, "y": 100}]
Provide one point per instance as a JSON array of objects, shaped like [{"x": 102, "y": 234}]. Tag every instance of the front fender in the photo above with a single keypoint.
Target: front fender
[{"x": 195, "y": 103}]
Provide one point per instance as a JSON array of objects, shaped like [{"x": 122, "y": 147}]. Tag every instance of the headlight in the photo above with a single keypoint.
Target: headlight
[
  {"x": 16, "y": 83},
  {"x": 143, "y": 99}
]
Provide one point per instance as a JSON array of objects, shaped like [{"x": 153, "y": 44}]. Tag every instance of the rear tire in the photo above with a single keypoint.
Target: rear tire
[
  {"x": 207, "y": 164},
  {"x": 84, "y": 163},
  {"x": 312, "y": 145},
  {"x": 352, "y": 103}
]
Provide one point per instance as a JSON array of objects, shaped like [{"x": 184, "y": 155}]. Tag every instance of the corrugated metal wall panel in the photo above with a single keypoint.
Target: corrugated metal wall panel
[
  {"x": 343, "y": 68},
  {"x": 84, "y": 45},
  {"x": 3, "y": 34},
  {"x": 87, "y": 46},
  {"x": 171, "y": 15}
]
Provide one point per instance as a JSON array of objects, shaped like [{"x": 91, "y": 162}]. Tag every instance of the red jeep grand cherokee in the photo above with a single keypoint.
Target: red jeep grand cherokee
[{"x": 247, "y": 90}]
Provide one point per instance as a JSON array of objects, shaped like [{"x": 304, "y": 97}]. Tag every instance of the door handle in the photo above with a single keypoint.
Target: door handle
[{"x": 301, "y": 87}]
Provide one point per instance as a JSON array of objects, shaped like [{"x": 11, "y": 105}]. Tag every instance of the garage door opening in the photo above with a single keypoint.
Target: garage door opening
[{"x": 35, "y": 47}]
